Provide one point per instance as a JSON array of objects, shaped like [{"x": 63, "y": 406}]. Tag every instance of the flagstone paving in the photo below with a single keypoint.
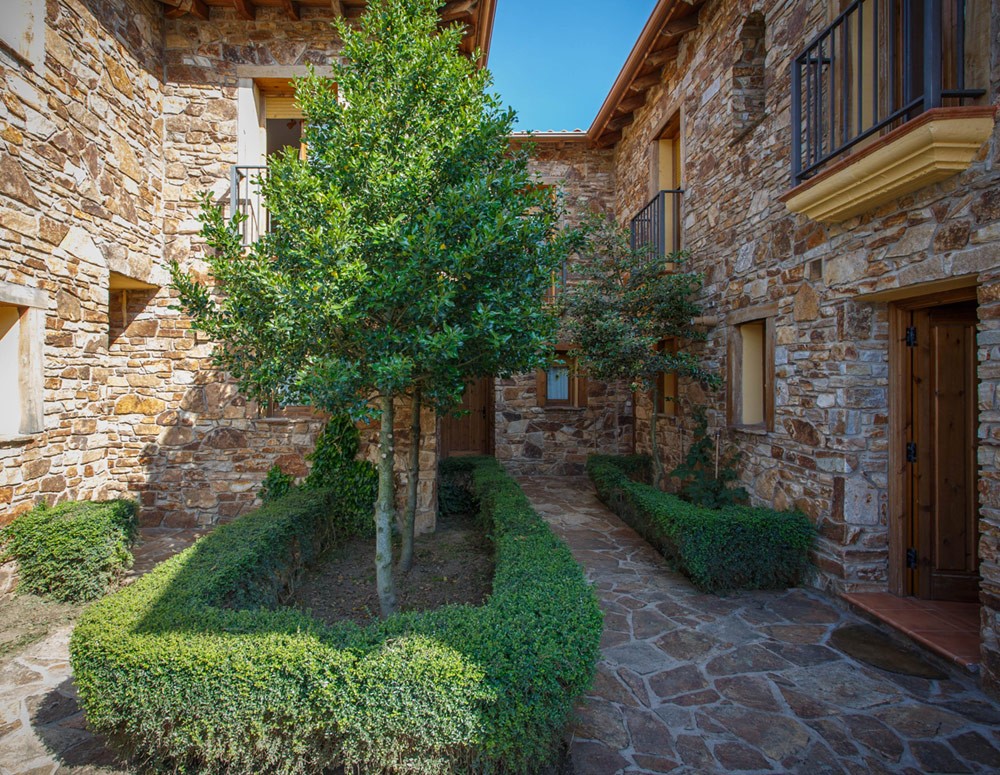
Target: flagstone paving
[
  {"x": 687, "y": 683},
  {"x": 42, "y": 729},
  {"x": 697, "y": 683}
]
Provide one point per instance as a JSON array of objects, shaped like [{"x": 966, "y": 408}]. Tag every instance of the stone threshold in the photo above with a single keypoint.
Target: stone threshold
[{"x": 949, "y": 629}]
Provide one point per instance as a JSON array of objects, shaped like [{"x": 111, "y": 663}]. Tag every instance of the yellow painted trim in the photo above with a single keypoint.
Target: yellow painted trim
[{"x": 928, "y": 152}]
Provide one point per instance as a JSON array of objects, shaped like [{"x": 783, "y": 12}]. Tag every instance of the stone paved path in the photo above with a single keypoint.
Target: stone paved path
[
  {"x": 699, "y": 683},
  {"x": 42, "y": 729}
]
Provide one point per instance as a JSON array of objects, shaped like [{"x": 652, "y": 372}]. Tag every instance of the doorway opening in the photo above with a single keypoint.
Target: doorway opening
[
  {"x": 471, "y": 433},
  {"x": 934, "y": 579}
]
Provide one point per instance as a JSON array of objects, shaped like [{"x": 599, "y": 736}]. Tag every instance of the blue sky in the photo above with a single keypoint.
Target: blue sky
[{"x": 554, "y": 60}]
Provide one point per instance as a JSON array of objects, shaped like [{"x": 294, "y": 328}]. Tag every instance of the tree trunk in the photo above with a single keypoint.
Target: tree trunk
[
  {"x": 385, "y": 511},
  {"x": 654, "y": 444},
  {"x": 409, "y": 518}
]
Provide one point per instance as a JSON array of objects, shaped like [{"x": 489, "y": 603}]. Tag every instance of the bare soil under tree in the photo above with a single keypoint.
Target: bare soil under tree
[{"x": 452, "y": 565}]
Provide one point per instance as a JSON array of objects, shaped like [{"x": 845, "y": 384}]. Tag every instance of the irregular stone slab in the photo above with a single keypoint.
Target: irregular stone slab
[
  {"x": 591, "y": 758},
  {"x": 974, "y": 747},
  {"x": 640, "y": 657},
  {"x": 936, "y": 757},
  {"x": 680, "y": 680},
  {"x": 749, "y": 690},
  {"x": 647, "y": 733},
  {"x": 873, "y": 734},
  {"x": 920, "y": 721},
  {"x": 686, "y": 644},
  {"x": 746, "y": 659},
  {"x": 777, "y": 737},
  {"x": 601, "y": 721},
  {"x": 734, "y": 756}
]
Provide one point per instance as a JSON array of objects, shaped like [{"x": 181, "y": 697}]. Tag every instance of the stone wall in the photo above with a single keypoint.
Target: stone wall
[
  {"x": 533, "y": 439},
  {"x": 828, "y": 452},
  {"x": 80, "y": 196},
  {"x": 105, "y": 149}
]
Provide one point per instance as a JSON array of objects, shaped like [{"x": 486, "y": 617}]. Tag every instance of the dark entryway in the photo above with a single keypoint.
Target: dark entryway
[{"x": 472, "y": 432}]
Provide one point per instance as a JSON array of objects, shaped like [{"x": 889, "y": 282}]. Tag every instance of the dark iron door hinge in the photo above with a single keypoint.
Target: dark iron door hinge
[
  {"x": 911, "y": 558},
  {"x": 911, "y": 336},
  {"x": 911, "y": 452}
]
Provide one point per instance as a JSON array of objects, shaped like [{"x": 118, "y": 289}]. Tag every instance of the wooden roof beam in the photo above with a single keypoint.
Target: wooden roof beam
[
  {"x": 680, "y": 26},
  {"x": 456, "y": 9},
  {"x": 337, "y": 7},
  {"x": 291, "y": 9},
  {"x": 196, "y": 8},
  {"x": 662, "y": 56},
  {"x": 644, "y": 82},
  {"x": 245, "y": 9},
  {"x": 631, "y": 104}
]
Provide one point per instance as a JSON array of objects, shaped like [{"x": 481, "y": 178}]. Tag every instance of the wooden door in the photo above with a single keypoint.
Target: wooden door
[
  {"x": 472, "y": 433},
  {"x": 941, "y": 453}
]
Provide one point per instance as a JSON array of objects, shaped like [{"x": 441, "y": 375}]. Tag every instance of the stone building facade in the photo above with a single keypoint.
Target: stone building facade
[
  {"x": 117, "y": 116},
  {"x": 716, "y": 78}
]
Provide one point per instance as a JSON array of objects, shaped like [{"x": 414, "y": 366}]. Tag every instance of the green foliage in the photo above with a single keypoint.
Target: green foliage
[
  {"x": 411, "y": 247},
  {"x": 276, "y": 484},
  {"x": 700, "y": 484},
  {"x": 625, "y": 304},
  {"x": 71, "y": 552},
  {"x": 737, "y": 547},
  {"x": 197, "y": 668},
  {"x": 335, "y": 465}
]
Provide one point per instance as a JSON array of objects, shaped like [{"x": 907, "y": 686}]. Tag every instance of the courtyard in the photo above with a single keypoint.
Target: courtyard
[{"x": 687, "y": 682}]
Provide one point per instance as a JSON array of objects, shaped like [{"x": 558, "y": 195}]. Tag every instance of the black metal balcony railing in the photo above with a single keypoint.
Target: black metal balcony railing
[
  {"x": 246, "y": 198},
  {"x": 657, "y": 227},
  {"x": 879, "y": 64}
]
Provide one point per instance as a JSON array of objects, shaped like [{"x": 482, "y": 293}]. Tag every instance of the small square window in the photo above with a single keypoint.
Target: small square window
[{"x": 561, "y": 384}]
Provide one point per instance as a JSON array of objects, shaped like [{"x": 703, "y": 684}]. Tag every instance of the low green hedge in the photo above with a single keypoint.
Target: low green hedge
[
  {"x": 71, "y": 552},
  {"x": 194, "y": 668},
  {"x": 738, "y": 547}
]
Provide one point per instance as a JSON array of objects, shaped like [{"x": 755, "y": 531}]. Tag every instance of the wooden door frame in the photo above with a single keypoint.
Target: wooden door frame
[{"x": 899, "y": 385}]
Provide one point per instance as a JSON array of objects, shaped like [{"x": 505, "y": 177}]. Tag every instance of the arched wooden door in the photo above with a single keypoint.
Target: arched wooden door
[{"x": 472, "y": 433}]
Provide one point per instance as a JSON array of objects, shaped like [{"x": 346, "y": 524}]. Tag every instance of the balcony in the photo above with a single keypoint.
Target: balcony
[
  {"x": 881, "y": 104},
  {"x": 657, "y": 227},
  {"x": 247, "y": 199}
]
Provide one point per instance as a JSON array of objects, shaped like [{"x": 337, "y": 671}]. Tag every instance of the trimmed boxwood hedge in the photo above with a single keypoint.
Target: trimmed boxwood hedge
[
  {"x": 194, "y": 668},
  {"x": 71, "y": 552},
  {"x": 737, "y": 547}
]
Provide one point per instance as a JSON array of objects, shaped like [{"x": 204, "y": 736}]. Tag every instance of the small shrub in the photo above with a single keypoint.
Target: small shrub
[
  {"x": 197, "y": 668},
  {"x": 276, "y": 484},
  {"x": 737, "y": 547},
  {"x": 335, "y": 465},
  {"x": 71, "y": 552},
  {"x": 704, "y": 480}
]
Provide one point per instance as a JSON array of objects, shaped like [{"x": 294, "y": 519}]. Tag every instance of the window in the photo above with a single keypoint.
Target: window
[
  {"x": 561, "y": 384},
  {"x": 22, "y": 333},
  {"x": 127, "y": 300},
  {"x": 22, "y": 34},
  {"x": 751, "y": 369},
  {"x": 657, "y": 226},
  {"x": 666, "y": 384}
]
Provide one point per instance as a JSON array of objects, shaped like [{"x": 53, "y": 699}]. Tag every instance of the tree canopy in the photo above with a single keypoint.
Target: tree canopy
[
  {"x": 409, "y": 250},
  {"x": 627, "y": 302}
]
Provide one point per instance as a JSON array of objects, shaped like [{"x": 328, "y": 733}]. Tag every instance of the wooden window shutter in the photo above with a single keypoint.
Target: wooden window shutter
[
  {"x": 541, "y": 388},
  {"x": 581, "y": 390}
]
